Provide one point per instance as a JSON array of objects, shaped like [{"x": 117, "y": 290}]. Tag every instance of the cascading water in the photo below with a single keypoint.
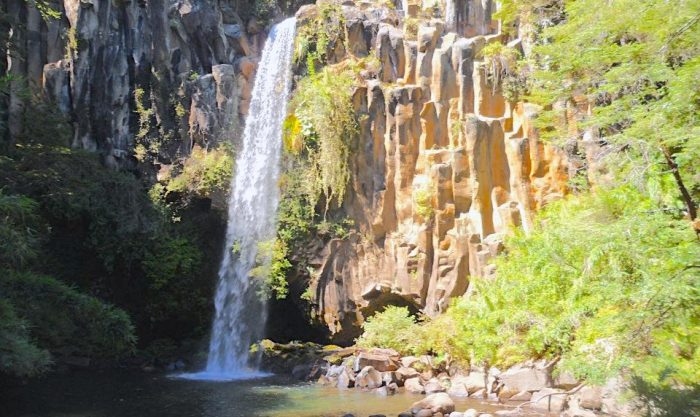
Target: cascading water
[{"x": 240, "y": 313}]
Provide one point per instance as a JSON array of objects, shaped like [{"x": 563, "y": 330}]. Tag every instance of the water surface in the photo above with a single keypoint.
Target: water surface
[{"x": 138, "y": 394}]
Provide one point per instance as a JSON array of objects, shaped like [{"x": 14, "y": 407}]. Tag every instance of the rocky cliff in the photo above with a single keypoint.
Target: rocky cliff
[
  {"x": 444, "y": 166},
  {"x": 142, "y": 80}
]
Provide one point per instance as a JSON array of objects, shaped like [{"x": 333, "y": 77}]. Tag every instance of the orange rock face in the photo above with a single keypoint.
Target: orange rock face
[{"x": 444, "y": 168}]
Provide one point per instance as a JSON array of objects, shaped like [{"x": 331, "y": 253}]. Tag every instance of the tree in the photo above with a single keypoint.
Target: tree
[{"x": 637, "y": 63}]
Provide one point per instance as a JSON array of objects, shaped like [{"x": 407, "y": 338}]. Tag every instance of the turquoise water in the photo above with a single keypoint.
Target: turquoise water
[{"x": 138, "y": 394}]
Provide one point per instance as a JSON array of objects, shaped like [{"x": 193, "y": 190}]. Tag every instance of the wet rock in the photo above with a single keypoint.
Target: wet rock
[
  {"x": 368, "y": 378},
  {"x": 346, "y": 379},
  {"x": 471, "y": 413}
]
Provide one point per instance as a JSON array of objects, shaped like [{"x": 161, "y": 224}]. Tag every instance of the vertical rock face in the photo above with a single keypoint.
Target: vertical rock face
[
  {"x": 193, "y": 60},
  {"x": 445, "y": 168}
]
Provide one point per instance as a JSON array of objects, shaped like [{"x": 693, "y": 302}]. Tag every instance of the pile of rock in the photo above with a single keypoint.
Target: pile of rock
[{"x": 385, "y": 372}]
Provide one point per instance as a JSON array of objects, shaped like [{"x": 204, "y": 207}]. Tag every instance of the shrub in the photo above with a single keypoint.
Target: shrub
[
  {"x": 203, "y": 172},
  {"x": 393, "y": 328},
  {"x": 423, "y": 197},
  {"x": 62, "y": 319},
  {"x": 314, "y": 39},
  {"x": 19, "y": 239},
  {"x": 19, "y": 355}
]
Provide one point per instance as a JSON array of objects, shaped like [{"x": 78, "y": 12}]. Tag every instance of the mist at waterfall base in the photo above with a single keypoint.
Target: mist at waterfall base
[{"x": 240, "y": 314}]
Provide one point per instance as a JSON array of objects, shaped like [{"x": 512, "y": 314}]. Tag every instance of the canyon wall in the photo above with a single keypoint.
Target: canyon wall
[{"x": 444, "y": 166}]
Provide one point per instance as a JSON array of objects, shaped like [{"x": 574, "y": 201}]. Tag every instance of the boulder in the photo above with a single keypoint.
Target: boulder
[
  {"x": 368, "y": 378},
  {"x": 464, "y": 385},
  {"x": 471, "y": 413},
  {"x": 549, "y": 399},
  {"x": 391, "y": 377},
  {"x": 378, "y": 361},
  {"x": 301, "y": 372},
  {"x": 525, "y": 378},
  {"x": 565, "y": 380},
  {"x": 436, "y": 403},
  {"x": 433, "y": 386},
  {"x": 590, "y": 398},
  {"x": 406, "y": 373},
  {"x": 407, "y": 361},
  {"x": 456, "y": 414},
  {"x": 479, "y": 394},
  {"x": 414, "y": 386},
  {"x": 346, "y": 379}
]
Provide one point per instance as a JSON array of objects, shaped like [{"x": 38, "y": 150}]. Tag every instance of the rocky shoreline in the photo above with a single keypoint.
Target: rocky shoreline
[{"x": 529, "y": 388}]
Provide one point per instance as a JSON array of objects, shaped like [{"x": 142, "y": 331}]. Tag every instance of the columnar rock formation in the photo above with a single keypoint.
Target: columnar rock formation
[
  {"x": 193, "y": 60},
  {"x": 444, "y": 166}
]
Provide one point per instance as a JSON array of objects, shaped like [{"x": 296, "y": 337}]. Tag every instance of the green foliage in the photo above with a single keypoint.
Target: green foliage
[
  {"x": 504, "y": 70},
  {"x": 323, "y": 122},
  {"x": 109, "y": 213},
  {"x": 170, "y": 260},
  {"x": 272, "y": 266},
  {"x": 44, "y": 7},
  {"x": 72, "y": 44},
  {"x": 410, "y": 28},
  {"x": 638, "y": 64},
  {"x": 96, "y": 228},
  {"x": 202, "y": 173},
  {"x": 605, "y": 282},
  {"x": 19, "y": 355},
  {"x": 264, "y": 10},
  {"x": 19, "y": 239},
  {"x": 423, "y": 197},
  {"x": 393, "y": 328},
  {"x": 62, "y": 319},
  {"x": 319, "y": 35},
  {"x": 396, "y": 328}
]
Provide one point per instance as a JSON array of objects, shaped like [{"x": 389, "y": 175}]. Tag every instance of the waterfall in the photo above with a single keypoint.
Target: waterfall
[{"x": 252, "y": 210}]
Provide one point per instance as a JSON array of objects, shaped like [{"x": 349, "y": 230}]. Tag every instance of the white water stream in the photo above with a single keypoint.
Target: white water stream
[{"x": 252, "y": 211}]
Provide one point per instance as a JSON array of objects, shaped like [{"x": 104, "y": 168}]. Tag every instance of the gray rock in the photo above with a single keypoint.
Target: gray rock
[
  {"x": 525, "y": 378},
  {"x": 368, "y": 378},
  {"x": 433, "y": 386},
  {"x": 414, "y": 386},
  {"x": 437, "y": 403},
  {"x": 591, "y": 398}
]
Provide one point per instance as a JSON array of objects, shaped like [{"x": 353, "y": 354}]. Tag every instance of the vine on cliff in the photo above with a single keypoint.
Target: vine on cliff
[{"x": 320, "y": 129}]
